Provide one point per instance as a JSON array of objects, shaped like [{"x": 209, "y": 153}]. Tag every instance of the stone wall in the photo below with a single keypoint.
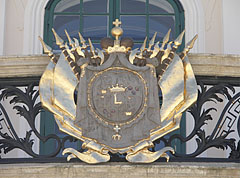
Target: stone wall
[
  {"x": 203, "y": 65},
  {"x": 121, "y": 170}
]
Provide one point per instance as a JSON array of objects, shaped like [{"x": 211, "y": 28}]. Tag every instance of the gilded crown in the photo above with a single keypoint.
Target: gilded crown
[
  {"x": 117, "y": 88},
  {"x": 117, "y": 45}
]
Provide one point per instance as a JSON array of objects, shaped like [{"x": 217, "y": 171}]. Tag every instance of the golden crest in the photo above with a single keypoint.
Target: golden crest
[{"x": 117, "y": 108}]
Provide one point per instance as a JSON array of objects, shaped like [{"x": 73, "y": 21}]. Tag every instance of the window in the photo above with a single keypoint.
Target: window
[{"x": 93, "y": 18}]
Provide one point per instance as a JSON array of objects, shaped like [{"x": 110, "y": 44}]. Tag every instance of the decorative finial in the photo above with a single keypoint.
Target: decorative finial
[
  {"x": 117, "y": 31},
  {"x": 117, "y": 23},
  {"x": 123, "y": 46}
]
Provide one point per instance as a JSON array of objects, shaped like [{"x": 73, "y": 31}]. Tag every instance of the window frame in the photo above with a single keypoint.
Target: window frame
[{"x": 114, "y": 12}]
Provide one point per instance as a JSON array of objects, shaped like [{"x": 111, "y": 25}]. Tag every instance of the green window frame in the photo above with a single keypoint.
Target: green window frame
[
  {"x": 48, "y": 124},
  {"x": 113, "y": 13}
]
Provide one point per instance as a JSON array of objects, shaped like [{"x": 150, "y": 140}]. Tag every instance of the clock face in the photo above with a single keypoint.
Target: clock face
[{"x": 117, "y": 96}]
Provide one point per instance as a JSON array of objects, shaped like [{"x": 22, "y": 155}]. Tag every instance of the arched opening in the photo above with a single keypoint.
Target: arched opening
[{"x": 93, "y": 18}]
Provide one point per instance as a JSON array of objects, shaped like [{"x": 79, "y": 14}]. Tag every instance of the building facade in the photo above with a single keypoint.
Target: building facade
[{"x": 214, "y": 54}]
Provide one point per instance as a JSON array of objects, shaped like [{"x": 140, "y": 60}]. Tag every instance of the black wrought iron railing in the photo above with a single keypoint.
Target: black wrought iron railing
[{"x": 25, "y": 101}]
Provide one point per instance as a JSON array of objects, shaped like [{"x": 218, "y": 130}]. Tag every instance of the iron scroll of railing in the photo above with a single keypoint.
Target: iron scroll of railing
[{"x": 25, "y": 102}]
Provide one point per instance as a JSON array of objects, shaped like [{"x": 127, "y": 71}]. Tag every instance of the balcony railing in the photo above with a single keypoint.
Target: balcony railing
[{"x": 218, "y": 79}]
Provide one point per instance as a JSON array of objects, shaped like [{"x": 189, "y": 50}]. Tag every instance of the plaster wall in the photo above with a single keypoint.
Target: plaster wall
[
  {"x": 231, "y": 26},
  {"x": 14, "y": 26},
  {"x": 213, "y": 26},
  {"x": 2, "y": 24}
]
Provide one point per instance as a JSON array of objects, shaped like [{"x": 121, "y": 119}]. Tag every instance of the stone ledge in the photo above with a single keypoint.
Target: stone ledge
[
  {"x": 22, "y": 66},
  {"x": 215, "y": 65},
  {"x": 203, "y": 65},
  {"x": 121, "y": 170}
]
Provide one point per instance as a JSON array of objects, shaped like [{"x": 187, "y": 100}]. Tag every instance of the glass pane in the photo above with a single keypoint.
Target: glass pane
[
  {"x": 95, "y": 6},
  {"x": 137, "y": 45},
  {"x": 133, "y": 6},
  {"x": 161, "y": 25},
  {"x": 70, "y": 23},
  {"x": 97, "y": 45},
  {"x": 68, "y": 6},
  {"x": 160, "y": 6},
  {"x": 95, "y": 27},
  {"x": 134, "y": 27}
]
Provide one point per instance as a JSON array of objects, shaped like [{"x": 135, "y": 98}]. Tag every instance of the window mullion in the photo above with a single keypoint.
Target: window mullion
[
  {"x": 66, "y": 13},
  {"x": 111, "y": 16},
  {"x": 81, "y": 17},
  {"x": 117, "y": 9},
  {"x": 147, "y": 19},
  {"x": 48, "y": 37}
]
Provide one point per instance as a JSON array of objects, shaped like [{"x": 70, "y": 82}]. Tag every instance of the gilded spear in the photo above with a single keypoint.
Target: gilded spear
[
  {"x": 189, "y": 46},
  {"x": 168, "y": 60},
  {"x": 48, "y": 50},
  {"x": 67, "y": 53}
]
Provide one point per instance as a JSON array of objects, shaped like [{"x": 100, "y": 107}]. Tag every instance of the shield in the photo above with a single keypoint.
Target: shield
[{"x": 118, "y": 103}]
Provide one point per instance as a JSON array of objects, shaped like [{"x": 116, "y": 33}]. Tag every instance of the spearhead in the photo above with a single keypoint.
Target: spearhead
[
  {"x": 100, "y": 55},
  {"x": 76, "y": 43},
  {"x": 166, "y": 51},
  {"x": 59, "y": 41},
  {"x": 92, "y": 49},
  {"x": 151, "y": 43},
  {"x": 69, "y": 52},
  {"x": 178, "y": 41},
  {"x": 190, "y": 44},
  {"x": 69, "y": 38},
  {"x": 169, "y": 47},
  {"x": 82, "y": 41},
  {"x": 155, "y": 50},
  {"x": 133, "y": 55},
  {"x": 46, "y": 49},
  {"x": 166, "y": 39},
  {"x": 78, "y": 48},
  {"x": 66, "y": 46},
  {"x": 143, "y": 45},
  {"x": 80, "y": 53}
]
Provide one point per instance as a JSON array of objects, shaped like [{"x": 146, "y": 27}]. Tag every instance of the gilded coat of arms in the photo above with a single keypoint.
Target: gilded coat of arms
[{"x": 109, "y": 98}]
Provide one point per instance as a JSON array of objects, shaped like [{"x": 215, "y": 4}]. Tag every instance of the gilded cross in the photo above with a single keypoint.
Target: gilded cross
[
  {"x": 117, "y": 23},
  {"x": 116, "y": 128}
]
